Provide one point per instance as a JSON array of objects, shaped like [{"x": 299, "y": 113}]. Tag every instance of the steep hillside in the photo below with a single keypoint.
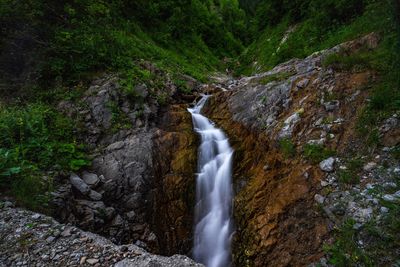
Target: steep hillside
[
  {"x": 303, "y": 175},
  {"x": 293, "y": 32}
]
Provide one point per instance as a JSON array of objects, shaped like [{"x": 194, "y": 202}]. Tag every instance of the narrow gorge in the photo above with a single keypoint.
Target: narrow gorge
[{"x": 191, "y": 134}]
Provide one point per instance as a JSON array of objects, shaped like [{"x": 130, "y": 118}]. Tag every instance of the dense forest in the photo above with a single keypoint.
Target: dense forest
[{"x": 50, "y": 50}]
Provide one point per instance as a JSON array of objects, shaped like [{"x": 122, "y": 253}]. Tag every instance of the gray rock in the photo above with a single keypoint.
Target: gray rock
[
  {"x": 369, "y": 166},
  {"x": 303, "y": 83},
  {"x": 327, "y": 165},
  {"x": 397, "y": 194},
  {"x": 288, "y": 125},
  {"x": 79, "y": 184},
  {"x": 384, "y": 210},
  {"x": 90, "y": 179},
  {"x": 363, "y": 215},
  {"x": 131, "y": 215},
  {"x": 66, "y": 232},
  {"x": 324, "y": 183},
  {"x": 118, "y": 221},
  {"x": 95, "y": 195},
  {"x": 80, "y": 248},
  {"x": 142, "y": 90},
  {"x": 332, "y": 105},
  {"x": 116, "y": 146},
  {"x": 389, "y": 198},
  {"x": 319, "y": 199},
  {"x": 317, "y": 141},
  {"x": 36, "y": 216},
  {"x": 92, "y": 261},
  {"x": 389, "y": 124},
  {"x": 50, "y": 239}
]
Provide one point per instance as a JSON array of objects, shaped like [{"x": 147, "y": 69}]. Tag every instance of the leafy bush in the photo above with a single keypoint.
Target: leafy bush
[
  {"x": 33, "y": 140},
  {"x": 353, "y": 62},
  {"x": 350, "y": 175},
  {"x": 287, "y": 147},
  {"x": 317, "y": 153}
]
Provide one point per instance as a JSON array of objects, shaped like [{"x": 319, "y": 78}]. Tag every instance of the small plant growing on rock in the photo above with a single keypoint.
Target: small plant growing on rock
[
  {"x": 264, "y": 99},
  {"x": 317, "y": 153},
  {"x": 287, "y": 147},
  {"x": 350, "y": 175},
  {"x": 345, "y": 251},
  {"x": 277, "y": 77},
  {"x": 354, "y": 62}
]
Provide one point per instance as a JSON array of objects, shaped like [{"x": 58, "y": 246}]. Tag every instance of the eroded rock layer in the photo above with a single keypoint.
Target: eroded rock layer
[{"x": 269, "y": 118}]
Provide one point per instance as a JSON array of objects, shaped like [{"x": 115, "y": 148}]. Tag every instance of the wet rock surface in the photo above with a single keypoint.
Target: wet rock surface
[
  {"x": 32, "y": 239},
  {"x": 270, "y": 117}
]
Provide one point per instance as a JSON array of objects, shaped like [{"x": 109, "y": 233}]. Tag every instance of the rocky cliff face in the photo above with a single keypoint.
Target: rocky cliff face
[
  {"x": 270, "y": 118},
  {"x": 140, "y": 187}
]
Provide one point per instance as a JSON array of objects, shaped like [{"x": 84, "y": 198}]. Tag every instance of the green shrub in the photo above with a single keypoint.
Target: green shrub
[
  {"x": 287, "y": 147},
  {"x": 34, "y": 140},
  {"x": 348, "y": 177},
  {"x": 353, "y": 62},
  {"x": 351, "y": 174},
  {"x": 182, "y": 86},
  {"x": 317, "y": 153},
  {"x": 119, "y": 119}
]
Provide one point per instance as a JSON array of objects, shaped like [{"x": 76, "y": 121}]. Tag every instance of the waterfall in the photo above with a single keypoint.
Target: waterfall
[{"x": 213, "y": 210}]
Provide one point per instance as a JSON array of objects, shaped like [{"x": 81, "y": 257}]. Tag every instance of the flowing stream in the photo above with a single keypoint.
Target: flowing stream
[{"x": 213, "y": 211}]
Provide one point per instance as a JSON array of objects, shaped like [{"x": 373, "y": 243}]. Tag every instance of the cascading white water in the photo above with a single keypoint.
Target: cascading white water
[{"x": 213, "y": 211}]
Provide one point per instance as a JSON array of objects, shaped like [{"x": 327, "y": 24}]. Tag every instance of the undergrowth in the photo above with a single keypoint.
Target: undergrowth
[
  {"x": 36, "y": 142},
  {"x": 287, "y": 147},
  {"x": 317, "y": 153}
]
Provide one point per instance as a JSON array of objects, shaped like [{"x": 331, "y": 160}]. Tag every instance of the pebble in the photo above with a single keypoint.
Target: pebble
[
  {"x": 384, "y": 210},
  {"x": 92, "y": 261},
  {"x": 36, "y": 216},
  {"x": 319, "y": 199},
  {"x": 83, "y": 260},
  {"x": 397, "y": 194},
  {"x": 66, "y": 232},
  {"x": 389, "y": 198},
  {"x": 324, "y": 183},
  {"x": 369, "y": 166},
  {"x": 50, "y": 239}
]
